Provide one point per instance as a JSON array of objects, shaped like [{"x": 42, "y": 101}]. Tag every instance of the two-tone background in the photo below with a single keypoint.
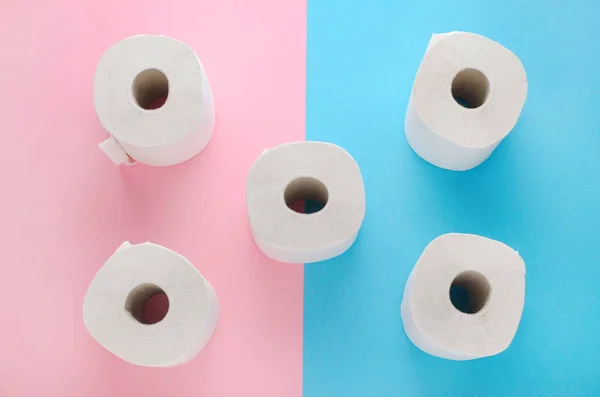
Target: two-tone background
[{"x": 285, "y": 70}]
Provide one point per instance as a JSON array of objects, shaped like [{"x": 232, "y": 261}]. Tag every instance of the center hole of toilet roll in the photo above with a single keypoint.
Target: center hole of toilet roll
[
  {"x": 306, "y": 195},
  {"x": 147, "y": 303},
  {"x": 470, "y": 88},
  {"x": 469, "y": 292},
  {"x": 150, "y": 89}
]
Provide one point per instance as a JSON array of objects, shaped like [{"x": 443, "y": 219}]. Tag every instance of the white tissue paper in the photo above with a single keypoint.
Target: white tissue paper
[
  {"x": 114, "y": 304},
  {"x": 467, "y": 96},
  {"x": 134, "y": 77},
  {"x": 487, "y": 282},
  {"x": 316, "y": 172}
]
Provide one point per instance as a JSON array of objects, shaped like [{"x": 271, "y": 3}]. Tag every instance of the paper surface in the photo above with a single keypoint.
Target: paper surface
[
  {"x": 296, "y": 171},
  {"x": 114, "y": 304},
  {"x": 493, "y": 277},
  {"x": 152, "y": 95},
  {"x": 466, "y": 98}
]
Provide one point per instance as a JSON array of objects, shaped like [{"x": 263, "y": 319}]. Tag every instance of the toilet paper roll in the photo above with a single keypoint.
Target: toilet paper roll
[
  {"x": 464, "y": 297},
  {"x": 467, "y": 96},
  {"x": 133, "y": 79},
  {"x": 321, "y": 175},
  {"x": 113, "y": 308}
]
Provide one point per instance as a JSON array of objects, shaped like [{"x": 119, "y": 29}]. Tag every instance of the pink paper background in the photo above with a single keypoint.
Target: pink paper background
[{"x": 65, "y": 208}]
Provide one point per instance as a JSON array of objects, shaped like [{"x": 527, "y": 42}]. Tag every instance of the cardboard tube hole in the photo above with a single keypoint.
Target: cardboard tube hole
[
  {"x": 150, "y": 89},
  {"x": 470, "y": 88},
  {"x": 306, "y": 195},
  {"x": 147, "y": 304},
  {"x": 469, "y": 292}
]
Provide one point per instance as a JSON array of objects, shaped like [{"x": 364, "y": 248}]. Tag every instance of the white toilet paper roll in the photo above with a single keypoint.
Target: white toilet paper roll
[
  {"x": 320, "y": 174},
  {"x": 132, "y": 80},
  {"x": 464, "y": 297},
  {"x": 113, "y": 308},
  {"x": 467, "y": 96}
]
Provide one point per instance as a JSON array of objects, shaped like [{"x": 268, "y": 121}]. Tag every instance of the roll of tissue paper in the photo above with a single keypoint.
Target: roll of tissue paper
[
  {"x": 152, "y": 95},
  {"x": 113, "y": 307},
  {"x": 467, "y": 96},
  {"x": 305, "y": 201},
  {"x": 464, "y": 298}
]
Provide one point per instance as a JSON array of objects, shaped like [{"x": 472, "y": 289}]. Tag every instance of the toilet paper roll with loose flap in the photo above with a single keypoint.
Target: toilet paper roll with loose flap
[
  {"x": 305, "y": 171},
  {"x": 467, "y": 96},
  {"x": 113, "y": 306},
  {"x": 132, "y": 79},
  {"x": 464, "y": 297}
]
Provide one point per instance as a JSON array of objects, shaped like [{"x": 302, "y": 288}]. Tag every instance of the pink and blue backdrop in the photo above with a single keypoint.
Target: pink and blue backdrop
[{"x": 282, "y": 70}]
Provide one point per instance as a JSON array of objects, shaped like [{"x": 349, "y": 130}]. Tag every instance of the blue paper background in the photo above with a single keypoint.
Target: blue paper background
[{"x": 538, "y": 193}]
